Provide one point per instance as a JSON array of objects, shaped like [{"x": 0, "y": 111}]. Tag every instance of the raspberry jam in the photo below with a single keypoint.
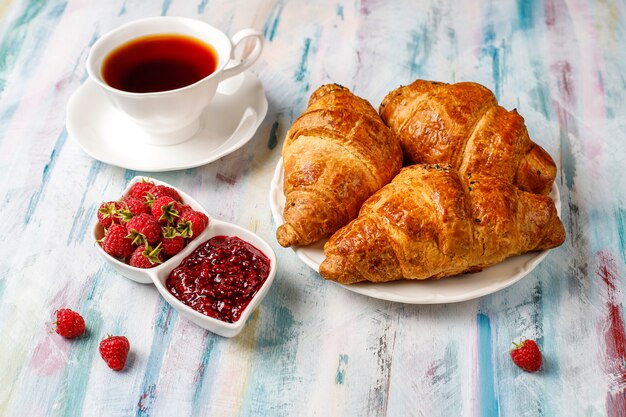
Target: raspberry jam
[{"x": 220, "y": 277}]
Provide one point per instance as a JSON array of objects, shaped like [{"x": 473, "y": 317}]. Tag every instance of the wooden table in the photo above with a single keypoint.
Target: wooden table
[{"x": 314, "y": 348}]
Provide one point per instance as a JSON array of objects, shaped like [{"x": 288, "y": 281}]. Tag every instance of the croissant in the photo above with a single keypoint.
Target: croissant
[
  {"x": 432, "y": 222},
  {"x": 462, "y": 125},
  {"x": 336, "y": 154}
]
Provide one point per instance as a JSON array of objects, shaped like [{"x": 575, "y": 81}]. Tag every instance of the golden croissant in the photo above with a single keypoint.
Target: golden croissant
[
  {"x": 336, "y": 155},
  {"x": 432, "y": 221},
  {"x": 462, "y": 125}
]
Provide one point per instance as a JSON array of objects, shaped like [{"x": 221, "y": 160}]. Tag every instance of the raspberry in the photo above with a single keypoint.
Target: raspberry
[
  {"x": 191, "y": 223},
  {"x": 183, "y": 208},
  {"x": 527, "y": 356},
  {"x": 143, "y": 229},
  {"x": 69, "y": 323},
  {"x": 172, "y": 242},
  {"x": 159, "y": 191},
  {"x": 146, "y": 256},
  {"x": 131, "y": 207},
  {"x": 107, "y": 213},
  {"x": 114, "y": 350},
  {"x": 165, "y": 210},
  {"x": 140, "y": 189},
  {"x": 116, "y": 243}
]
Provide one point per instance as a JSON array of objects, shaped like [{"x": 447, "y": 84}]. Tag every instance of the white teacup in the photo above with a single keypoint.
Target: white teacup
[{"x": 170, "y": 117}]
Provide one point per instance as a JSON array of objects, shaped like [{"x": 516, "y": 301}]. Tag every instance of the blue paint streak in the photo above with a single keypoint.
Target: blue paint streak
[
  {"x": 488, "y": 398},
  {"x": 202, "y": 6},
  {"x": 12, "y": 42},
  {"x": 568, "y": 163},
  {"x": 270, "y": 27},
  {"x": 273, "y": 140},
  {"x": 76, "y": 374},
  {"x": 165, "y": 7},
  {"x": 620, "y": 216},
  {"x": 95, "y": 289},
  {"x": 31, "y": 11},
  {"x": 276, "y": 344},
  {"x": 45, "y": 177},
  {"x": 57, "y": 11},
  {"x": 340, "y": 11},
  {"x": 203, "y": 379},
  {"x": 341, "y": 369},
  {"x": 494, "y": 52},
  {"x": 93, "y": 40},
  {"x": 496, "y": 70},
  {"x": 85, "y": 218},
  {"x": 488, "y": 49},
  {"x": 525, "y": 14},
  {"x": 301, "y": 72},
  {"x": 489, "y": 36},
  {"x": 10, "y": 110},
  {"x": 16, "y": 33},
  {"x": 415, "y": 52},
  {"x": 541, "y": 99},
  {"x": 160, "y": 342},
  {"x": 11, "y": 45},
  {"x": 122, "y": 10},
  {"x": 129, "y": 174},
  {"x": 281, "y": 331}
]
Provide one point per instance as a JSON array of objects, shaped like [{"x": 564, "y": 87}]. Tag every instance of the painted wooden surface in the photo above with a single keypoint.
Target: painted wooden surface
[{"x": 313, "y": 348}]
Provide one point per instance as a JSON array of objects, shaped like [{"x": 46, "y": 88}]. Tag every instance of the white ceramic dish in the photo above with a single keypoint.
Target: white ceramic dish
[
  {"x": 106, "y": 134},
  {"x": 447, "y": 290},
  {"x": 158, "y": 275}
]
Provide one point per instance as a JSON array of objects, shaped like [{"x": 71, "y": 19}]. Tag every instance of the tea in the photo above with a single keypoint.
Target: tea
[{"x": 158, "y": 63}]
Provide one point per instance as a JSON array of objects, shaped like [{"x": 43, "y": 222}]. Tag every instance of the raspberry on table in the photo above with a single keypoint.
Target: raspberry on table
[
  {"x": 527, "y": 355},
  {"x": 114, "y": 350},
  {"x": 69, "y": 323}
]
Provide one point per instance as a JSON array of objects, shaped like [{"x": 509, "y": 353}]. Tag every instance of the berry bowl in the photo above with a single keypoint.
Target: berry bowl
[
  {"x": 218, "y": 278},
  {"x": 138, "y": 274}
]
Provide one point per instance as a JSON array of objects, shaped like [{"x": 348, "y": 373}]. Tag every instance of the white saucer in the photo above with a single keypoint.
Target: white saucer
[
  {"x": 445, "y": 290},
  {"x": 108, "y": 135}
]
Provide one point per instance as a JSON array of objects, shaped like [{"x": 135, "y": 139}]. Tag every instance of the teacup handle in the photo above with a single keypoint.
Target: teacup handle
[{"x": 233, "y": 67}]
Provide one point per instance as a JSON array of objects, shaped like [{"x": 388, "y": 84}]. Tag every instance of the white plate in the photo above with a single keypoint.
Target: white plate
[
  {"x": 106, "y": 134},
  {"x": 446, "y": 290}
]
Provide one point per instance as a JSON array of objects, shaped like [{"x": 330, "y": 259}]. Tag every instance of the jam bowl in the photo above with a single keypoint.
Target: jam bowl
[
  {"x": 236, "y": 267},
  {"x": 219, "y": 230}
]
